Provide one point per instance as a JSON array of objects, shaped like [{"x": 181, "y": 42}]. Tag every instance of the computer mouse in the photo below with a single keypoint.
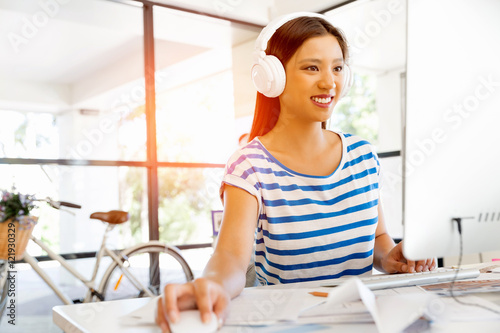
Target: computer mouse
[{"x": 190, "y": 322}]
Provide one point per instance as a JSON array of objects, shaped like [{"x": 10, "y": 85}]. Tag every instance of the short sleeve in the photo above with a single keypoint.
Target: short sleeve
[{"x": 240, "y": 172}]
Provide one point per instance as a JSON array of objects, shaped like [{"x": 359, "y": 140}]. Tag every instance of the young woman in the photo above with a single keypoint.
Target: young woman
[{"x": 306, "y": 197}]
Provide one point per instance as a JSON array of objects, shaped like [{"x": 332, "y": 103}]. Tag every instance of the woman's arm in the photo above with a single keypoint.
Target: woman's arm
[
  {"x": 224, "y": 275},
  {"x": 232, "y": 254},
  {"x": 383, "y": 242},
  {"x": 389, "y": 258}
]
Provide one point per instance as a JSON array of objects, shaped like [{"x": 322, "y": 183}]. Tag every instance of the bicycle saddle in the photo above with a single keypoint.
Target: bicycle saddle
[{"x": 113, "y": 216}]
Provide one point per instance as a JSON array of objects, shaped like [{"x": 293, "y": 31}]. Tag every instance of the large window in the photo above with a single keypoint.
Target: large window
[{"x": 75, "y": 119}]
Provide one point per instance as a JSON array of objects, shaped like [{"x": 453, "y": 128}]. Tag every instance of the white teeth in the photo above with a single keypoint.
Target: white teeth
[{"x": 322, "y": 100}]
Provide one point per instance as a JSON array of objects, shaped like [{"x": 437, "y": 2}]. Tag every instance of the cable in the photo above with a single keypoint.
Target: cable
[{"x": 459, "y": 226}]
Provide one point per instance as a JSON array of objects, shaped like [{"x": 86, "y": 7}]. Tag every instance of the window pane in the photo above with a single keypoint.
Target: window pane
[
  {"x": 356, "y": 113},
  {"x": 72, "y": 83},
  {"x": 195, "y": 86},
  {"x": 29, "y": 135},
  {"x": 187, "y": 197},
  {"x": 195, "y": 121},
  {"x": 95, "y": 189}
]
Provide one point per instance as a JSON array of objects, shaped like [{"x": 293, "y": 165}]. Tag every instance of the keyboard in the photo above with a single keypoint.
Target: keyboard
[{"x": 384, "y": 281}]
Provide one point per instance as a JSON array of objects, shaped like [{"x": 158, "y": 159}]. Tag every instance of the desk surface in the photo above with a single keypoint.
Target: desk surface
[
  {"x": 104, "y": 317},
  {"x": 100, "y": 317}
]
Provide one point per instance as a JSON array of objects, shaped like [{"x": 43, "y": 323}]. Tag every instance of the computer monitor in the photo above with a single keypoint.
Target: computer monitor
[{"x": 452, "y": 134}]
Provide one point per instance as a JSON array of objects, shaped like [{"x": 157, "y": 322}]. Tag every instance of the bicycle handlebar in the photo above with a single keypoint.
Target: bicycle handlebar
[
  {"x": 57, "y": 204},
  {"x": 69, "y": 204}
]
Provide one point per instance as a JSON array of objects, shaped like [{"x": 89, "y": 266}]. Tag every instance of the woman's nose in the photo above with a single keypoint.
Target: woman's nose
[{"x": 327, "y": 81}]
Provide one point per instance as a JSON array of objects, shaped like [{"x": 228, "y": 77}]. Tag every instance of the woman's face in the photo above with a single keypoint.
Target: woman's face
[{"x": 314, "y": 79}]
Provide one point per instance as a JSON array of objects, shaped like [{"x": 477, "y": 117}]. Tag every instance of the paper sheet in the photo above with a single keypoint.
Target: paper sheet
[
  {"x": 447, "y": 309},
  {"x": 353, "y": 300}
]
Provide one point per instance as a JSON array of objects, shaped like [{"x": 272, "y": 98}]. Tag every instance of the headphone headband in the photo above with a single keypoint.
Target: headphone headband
[{"x": 275, "y": 24}]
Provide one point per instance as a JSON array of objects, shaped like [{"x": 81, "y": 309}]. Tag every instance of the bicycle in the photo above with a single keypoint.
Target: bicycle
[{"x": 138, "y": 271}]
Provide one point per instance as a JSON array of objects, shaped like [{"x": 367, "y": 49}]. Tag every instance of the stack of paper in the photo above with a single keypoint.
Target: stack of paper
[
  {"x": 349, "y": 302},
  {"x": 391, "y": 310}
]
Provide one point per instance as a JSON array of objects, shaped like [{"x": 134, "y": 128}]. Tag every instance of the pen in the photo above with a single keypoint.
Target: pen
[{"x": 319, "y": 293}]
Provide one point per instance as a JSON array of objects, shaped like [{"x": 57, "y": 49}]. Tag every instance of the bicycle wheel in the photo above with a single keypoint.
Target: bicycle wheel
[{"x": 171, "y": 268}]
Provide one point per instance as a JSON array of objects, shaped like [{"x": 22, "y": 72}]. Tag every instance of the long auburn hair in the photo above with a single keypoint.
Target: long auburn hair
[{"x": 283, "y": 45}]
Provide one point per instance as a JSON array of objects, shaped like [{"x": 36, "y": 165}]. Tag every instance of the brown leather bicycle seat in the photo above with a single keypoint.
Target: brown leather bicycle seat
[{"x": 113, "y": 216}]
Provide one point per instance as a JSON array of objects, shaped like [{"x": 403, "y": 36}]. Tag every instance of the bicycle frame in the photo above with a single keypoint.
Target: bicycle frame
[{"x": 89, "y": 283}]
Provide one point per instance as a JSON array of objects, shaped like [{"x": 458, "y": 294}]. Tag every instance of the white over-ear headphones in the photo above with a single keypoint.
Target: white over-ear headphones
[{"x": 268, "y": 73}]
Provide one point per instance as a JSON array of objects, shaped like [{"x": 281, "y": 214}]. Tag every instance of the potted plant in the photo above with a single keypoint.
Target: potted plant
[{"x": 16, "y": 223}]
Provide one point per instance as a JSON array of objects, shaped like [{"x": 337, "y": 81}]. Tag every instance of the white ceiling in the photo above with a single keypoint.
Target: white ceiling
[{"x": 253, "y": 11}]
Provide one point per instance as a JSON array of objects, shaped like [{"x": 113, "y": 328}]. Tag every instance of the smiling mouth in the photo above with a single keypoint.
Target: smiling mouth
[{"x": 322, "y": 100}]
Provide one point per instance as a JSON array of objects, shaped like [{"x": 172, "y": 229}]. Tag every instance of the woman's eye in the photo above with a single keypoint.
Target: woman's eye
[
  {"x": 312, "y": 68},
  {"x": 338, "y": 69}
]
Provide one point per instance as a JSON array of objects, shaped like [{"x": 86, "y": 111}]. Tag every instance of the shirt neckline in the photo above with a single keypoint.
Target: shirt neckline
[{"x": 339, "y": 167}]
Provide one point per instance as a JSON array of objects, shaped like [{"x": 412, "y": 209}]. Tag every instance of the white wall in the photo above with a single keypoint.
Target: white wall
[
  {"x": 388, "y": 103},
  {"x": 244, "y": 90}
]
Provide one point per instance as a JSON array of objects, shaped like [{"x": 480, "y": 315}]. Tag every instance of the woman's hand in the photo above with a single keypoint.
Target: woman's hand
[
  {"x": 395, "y": 262},
  {"x": 202, "y": 293}
]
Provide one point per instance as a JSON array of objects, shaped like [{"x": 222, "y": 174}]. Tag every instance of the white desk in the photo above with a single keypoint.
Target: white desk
[
  {"x": 100, "y": 317},
  {"x": 104, "y": 317}
]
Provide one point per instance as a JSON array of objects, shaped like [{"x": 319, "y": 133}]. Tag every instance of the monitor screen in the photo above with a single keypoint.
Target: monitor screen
[{"x": 452, "y": 128}]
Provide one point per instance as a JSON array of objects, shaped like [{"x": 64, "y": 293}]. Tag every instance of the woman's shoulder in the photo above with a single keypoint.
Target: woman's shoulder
[{"x": 250, "y": 150}]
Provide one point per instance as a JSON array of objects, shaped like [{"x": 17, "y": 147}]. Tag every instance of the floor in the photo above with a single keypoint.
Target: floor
[{"x": 34, "y": 299}]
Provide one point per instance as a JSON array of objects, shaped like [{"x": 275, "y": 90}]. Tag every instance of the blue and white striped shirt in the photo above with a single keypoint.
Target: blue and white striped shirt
[{"x": 310, "y": 227}]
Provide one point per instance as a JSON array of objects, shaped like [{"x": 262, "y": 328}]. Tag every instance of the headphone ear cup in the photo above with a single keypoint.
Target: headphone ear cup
[
  {"x": 261, "y": 76},
  {"x": 348, "y": 81},
  {"x": 279, "y": 76},
  {"x": 269, "y": 77}
]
